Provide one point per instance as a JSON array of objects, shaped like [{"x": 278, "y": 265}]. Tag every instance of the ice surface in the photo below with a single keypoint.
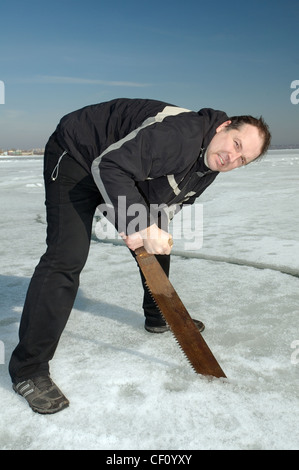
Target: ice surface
[{"x": 132, "y": 390}]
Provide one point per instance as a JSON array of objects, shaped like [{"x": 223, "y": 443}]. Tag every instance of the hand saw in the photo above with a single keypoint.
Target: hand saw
[{"x": 177, "y": 317}]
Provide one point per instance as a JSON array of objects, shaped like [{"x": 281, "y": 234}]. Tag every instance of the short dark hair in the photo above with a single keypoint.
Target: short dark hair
[{"x": 259, "y": 123}]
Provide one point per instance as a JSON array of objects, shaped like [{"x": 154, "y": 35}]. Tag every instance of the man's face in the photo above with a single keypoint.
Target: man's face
[{"x": 233, "y": 148}]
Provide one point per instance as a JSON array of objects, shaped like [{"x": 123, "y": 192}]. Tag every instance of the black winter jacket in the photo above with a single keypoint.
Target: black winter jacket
[{"x": 143, "y": 152}]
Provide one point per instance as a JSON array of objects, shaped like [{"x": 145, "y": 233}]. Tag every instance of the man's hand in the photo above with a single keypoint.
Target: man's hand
[
  {"x": 155, "y": 240},
  {"x": 133, "y": 241}
]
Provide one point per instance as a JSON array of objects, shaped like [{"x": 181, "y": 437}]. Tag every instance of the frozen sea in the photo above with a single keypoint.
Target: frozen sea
[{"x": 132, "y": 390}]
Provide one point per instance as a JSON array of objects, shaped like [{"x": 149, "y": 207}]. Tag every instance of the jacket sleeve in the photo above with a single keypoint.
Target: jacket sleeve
[{"x": 159, "y": 149}]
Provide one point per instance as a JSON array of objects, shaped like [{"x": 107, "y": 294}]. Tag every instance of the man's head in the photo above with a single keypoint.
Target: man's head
[{"x": 237, "y": 142}]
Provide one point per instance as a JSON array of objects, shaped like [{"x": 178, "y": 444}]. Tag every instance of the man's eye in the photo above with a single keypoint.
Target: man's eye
[{"x": 237, "y": 144}]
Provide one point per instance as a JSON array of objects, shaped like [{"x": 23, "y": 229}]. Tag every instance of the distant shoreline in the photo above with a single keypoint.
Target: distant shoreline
[
  {"x": 34, "y": 154},
  {"x": 284, "y": 147}
]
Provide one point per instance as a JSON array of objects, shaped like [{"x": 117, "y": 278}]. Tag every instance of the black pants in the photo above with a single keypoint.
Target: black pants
[{"x": 71, "y": 201}]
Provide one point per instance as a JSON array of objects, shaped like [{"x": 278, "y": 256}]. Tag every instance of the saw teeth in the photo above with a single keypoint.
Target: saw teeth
[
  {"x": 150, "y": 292},
  {"x": 186, "y": 357},
  {"x": 181, "y": 349}
]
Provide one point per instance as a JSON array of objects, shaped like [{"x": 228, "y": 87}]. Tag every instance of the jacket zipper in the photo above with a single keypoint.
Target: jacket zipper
[{"x": 55, "y": 172}]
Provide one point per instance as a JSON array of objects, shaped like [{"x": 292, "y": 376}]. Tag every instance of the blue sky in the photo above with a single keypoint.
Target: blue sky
[{"x": 58, "y": 56}]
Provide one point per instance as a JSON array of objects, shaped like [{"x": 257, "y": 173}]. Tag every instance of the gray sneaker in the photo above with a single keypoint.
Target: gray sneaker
[{"x": 42, "y": 395}]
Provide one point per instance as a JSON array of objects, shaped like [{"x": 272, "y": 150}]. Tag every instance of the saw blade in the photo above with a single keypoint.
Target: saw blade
[{"x": 176, "y": 315}]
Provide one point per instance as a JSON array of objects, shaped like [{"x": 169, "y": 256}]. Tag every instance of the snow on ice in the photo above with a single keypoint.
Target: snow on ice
[{"x": 132, "y": 390}]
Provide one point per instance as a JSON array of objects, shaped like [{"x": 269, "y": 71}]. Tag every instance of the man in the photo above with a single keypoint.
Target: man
[{"x": 120, "y": 155}]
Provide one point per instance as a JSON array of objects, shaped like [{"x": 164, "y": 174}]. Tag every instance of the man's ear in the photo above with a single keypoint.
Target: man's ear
[{"x": 223, "y": 126}]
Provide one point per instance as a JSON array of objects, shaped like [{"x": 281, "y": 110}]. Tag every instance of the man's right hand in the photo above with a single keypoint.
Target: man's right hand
[{"x": 155, "y": 240}]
